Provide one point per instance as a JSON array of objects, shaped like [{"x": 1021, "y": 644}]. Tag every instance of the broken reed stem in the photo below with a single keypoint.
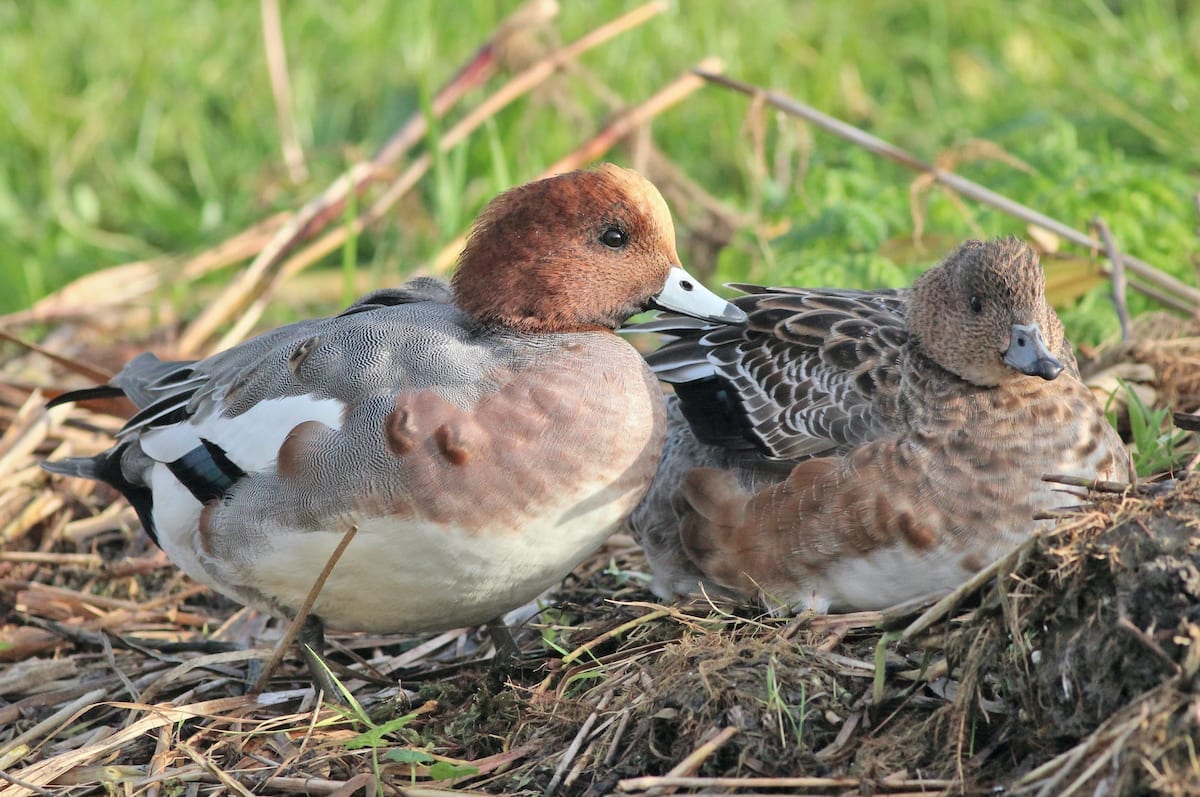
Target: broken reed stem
[
  {"x": 595, "y": 147},
  {"x": 701, "y": 754},
  {"x": 670, "y": 95},
  {"x": 576, "y": 743},
  {"x": 232, "y": 250},
  {"x": 1174, "y": 293},
  {"x": 877, "y": 786},
  {"x": 518, "y": 86},
  {"x": 546, "y": 67},
  {"x": 1094, "y": 485},
  {"x": 944, "y": 606},
  {"x": 293, "y": 629}
]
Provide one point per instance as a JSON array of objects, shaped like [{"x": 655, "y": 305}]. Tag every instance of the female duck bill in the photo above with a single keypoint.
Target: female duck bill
[{"x": 1029, "y": 353}]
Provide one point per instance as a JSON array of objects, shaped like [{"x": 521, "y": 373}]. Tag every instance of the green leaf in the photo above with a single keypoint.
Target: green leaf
[
  {"x": 375, "y": 737},
  {"x": 406, "y": 755},
  {"x": 444, "y": 770}
]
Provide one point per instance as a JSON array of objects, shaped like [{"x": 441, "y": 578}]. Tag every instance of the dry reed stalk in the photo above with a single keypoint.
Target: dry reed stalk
[
  {"x": 257, "y": 280},
  {"x": 625, "y": 123},
  {"x": 94, "y": 293},
  {"x": 316, "y": 213},
  {"x": 85, "y": 370},
  {"x": 45, "y": 772},
  {"x": 572, "y": 750},
  {"x": 1161, "y": 286},
  {"x": 281, "y": 91},
  {"x": 693, "y": 760}
]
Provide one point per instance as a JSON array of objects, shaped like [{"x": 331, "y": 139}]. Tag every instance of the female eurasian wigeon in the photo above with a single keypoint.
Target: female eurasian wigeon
[
  {"x": 483, "y": 437},
  {"x": 847, "y": 449}
]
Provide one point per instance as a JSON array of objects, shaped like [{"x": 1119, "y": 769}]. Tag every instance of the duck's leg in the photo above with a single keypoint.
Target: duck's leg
[
  {"x": 312, "y": 650},
  {"x": 503, "y": 640},
  {"x": 510, "y": 657}
]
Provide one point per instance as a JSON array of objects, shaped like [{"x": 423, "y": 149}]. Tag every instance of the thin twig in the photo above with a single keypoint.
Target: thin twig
[
  {"x": 224, "y": 778},
  {"x": 614, "y": 745},
  {"x": 293, "y": 629},
  {"x": 84, "y": 369},
  {"x": 648, "y": 782},
  {"x": 58, "y": 719},
  {"x": 1094, "y": 485},
  {"x": 1150, "y": 643},
  {"x": 1176, "y": 294},
  {"x": 1118, "y": 276},
  {"x": 24, "y": 785}
]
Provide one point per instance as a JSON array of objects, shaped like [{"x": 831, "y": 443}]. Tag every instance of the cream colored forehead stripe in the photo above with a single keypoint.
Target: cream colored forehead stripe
[
  {"x": 644, "y": 191},
  {"x": 662, "y": 214}
]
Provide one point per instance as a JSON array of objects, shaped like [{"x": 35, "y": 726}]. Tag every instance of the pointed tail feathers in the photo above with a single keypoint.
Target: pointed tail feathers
[
  {"x": 83, "y": 394},
  {"x": 81, "y": 467},
  {"x": 106, "y": 467}
]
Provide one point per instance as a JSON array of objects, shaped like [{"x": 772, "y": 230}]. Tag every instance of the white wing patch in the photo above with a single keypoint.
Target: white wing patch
[
  {"x": 176, "y": 520},
  {"x": 250, "y": 440}
]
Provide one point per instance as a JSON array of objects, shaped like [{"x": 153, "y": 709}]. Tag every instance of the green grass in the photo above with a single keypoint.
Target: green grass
[
  {"x": 1156, "y": 442},
  {"x": 129, "y": 130}
]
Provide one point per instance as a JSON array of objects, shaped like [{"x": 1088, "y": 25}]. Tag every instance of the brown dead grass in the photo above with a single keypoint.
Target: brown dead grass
[{"x": 1072, "y": 671}]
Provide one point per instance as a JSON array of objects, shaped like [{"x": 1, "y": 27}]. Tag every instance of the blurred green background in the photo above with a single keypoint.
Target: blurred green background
[{"x": 130, "y": 130}]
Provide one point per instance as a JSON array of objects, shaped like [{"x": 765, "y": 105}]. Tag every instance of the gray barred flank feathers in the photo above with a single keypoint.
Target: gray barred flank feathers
[{"x": 454, "y": 427}]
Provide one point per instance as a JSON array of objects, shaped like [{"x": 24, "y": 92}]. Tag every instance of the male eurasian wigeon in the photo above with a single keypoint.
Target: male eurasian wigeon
[
  {"x": 484, "y": 437},
  {"x": 846, "y": 449}
]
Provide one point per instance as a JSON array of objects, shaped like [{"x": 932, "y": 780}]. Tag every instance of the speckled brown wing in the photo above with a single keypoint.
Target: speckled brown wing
[
  {"x": 913, "y": 513},
  {"x": 863, "y": 515},
  {"x": 810, "y": 372}
]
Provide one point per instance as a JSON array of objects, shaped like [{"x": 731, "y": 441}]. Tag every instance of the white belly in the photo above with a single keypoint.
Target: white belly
[
  {"x": 882, "y": 578},
  {"x": 400, "y": 575}
]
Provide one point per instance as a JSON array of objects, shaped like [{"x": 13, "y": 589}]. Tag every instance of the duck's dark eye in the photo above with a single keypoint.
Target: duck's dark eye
[
  {"x": 613, "y": 238},
  {"x": 976, "y": 304}
]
